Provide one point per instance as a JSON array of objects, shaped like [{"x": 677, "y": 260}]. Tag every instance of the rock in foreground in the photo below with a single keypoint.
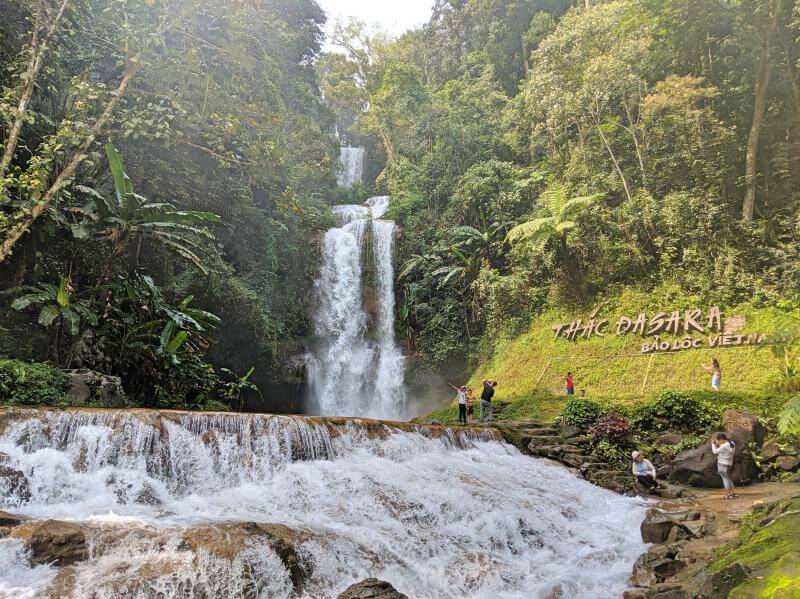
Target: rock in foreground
[{"x": 372, "y": 588}]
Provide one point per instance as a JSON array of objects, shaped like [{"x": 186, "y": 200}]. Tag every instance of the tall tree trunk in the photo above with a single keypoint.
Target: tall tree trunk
[
  {"x": 607, "y": 144},
  {"x": 38, "y": 50},
  {"x": 44, "y": 201},
  {"x": 763, "y": 72}
]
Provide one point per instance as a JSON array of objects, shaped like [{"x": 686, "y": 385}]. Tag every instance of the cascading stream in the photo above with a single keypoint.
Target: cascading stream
[
  {"x": 351, "y": 166},
  {"x": 437, "y": 512},
  {"x": 357, "y": 368}
]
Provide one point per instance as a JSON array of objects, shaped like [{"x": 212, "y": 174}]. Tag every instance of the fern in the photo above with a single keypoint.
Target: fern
[{"x": 789, "y": 421}]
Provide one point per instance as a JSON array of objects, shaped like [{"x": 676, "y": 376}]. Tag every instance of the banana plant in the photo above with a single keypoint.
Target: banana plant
[
  {"x": 129, "y": 218},
  {"x": 61, "y": 310}
]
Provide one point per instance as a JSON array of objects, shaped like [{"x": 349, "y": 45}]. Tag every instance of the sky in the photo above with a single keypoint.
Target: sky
[{"x": 392, "y": 16}]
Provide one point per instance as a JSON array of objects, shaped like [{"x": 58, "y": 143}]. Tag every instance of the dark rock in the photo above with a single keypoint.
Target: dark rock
[
  {"x": 576, "y": 460},
  {"x": 698, "y": 467},
  {"x": 588, "y": 467},
  {"x": 281, "y": 541},
  {"x": 636, "y": 594},
  {"x": 59, "y": 543},
  {"x": 670, "y": 438},
  {"x": 540, "y": 432},
  {"x": 666, "y": 568},
  {"x": 720, "y": 584},
  {"x": 744, "y": 427},
  {"x": 787, "y": 463},
  {"x": 658, "y": 524},
  {"x": 541, "y": 439},
  {"x": 372, "y": 588},
  {"x": 14, "y": 484},
  {"x": 569, "y": 431},
  {"x": 93, "y": 388},
  {"x": 7, "y": 519},
  {"x": 770, "y": 451},
  {"x": 667, "y": 491},
  {"x": 668, "y": 592}
]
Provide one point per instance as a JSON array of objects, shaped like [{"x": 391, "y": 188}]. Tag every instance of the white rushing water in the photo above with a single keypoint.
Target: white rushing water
[
  {"x": 351, "y": 166},
  {"x": 357, "y": 368},
  {"x": 450, "y": 514}
]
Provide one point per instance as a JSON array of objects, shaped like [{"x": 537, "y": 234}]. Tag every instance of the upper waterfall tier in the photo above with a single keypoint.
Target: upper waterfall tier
[
  {"x": 357, "y": 368},
  {"x": 351, "y": 166}
]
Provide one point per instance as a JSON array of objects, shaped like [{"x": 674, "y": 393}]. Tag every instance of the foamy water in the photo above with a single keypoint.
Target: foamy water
[
  {"x": 357, "y": 367},
  {"x": 456, "y": 515}
]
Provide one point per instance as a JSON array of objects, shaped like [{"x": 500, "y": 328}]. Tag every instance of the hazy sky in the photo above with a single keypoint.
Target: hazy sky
[{"x": 393, "y": 16}]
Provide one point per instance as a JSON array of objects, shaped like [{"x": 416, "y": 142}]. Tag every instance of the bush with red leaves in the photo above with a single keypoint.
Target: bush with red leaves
[{"x": 612, "y": 427}]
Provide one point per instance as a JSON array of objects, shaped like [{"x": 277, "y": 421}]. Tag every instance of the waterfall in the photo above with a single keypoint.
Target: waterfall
[
  {"x": 357, "y": 368},
  {"x": 171, "y": 504},
  {"x": 351, "y": 168}
]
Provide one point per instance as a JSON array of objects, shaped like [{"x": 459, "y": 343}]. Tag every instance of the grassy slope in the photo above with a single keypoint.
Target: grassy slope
[{"x": 530, "y": 368}]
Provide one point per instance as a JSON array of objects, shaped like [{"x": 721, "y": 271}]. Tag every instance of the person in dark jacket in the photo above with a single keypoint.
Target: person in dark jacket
[{"x": 486, "y": 399}]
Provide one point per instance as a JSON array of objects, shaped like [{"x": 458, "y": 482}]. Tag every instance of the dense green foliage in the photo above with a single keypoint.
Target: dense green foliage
[
  {"x": 674, "y": 410},
  {"x": 31, "y": 384},
  {"x": 228, "y": 159},
  {"x": 585, "y": 147},
  {"x": 581, "y": 412}
]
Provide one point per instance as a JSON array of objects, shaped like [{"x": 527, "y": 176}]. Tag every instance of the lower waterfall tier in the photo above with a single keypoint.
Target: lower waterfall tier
[{"x": 194, "y": 505}]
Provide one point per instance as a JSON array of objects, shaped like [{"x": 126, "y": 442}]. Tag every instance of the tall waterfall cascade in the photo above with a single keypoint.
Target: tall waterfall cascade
[
  {"x": 358, "y": 367},
  {"x": 351, "y": 166},
  {"x": 174, "y": 505}
]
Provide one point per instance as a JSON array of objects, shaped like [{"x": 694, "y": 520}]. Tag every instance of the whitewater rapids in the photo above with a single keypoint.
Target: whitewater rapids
[{"x": 437, "y": 512}]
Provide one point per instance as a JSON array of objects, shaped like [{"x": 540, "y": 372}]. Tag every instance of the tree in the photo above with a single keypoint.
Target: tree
[
  {"x": 559, "y": 216},
  {"x": 131, "y": 218},
  {"x": 763, "y": 73}
]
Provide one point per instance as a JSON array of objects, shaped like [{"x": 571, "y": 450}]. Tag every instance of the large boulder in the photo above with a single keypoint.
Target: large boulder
[
  {"x": 372, "y": 588},
  {"x": 744, "y": 427},
  {"x": 59, "y": 543},
  {"x": 228, "y": 540},
  {"x": 698, "y": 466},
  {"x": 93, "y": 388},
  {"x": 658, "y": 525}
]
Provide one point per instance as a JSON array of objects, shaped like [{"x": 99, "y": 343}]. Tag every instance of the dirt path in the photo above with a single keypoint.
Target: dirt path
[
  {"x": 747, "y": 498},
  {"x": 721, "y": 518}
]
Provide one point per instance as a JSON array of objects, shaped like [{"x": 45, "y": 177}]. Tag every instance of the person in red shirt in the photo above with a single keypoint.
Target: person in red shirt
[{"x": 570, "y": 384}]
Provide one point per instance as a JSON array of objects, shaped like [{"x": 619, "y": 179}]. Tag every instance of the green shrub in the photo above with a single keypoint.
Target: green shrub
[
  {"x": 671, "y": 409},
  {"x": 581, "y": 412},
  {"x": 22, "y": 383},
  {"x": 789, "y": 422},
  {"x": 610, "y": 452},
  {"x": 214, "y": 405}
]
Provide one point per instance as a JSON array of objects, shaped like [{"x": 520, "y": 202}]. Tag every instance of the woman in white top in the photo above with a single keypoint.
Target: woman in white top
[
  {"x": 724, "y": 449},
  {"x": 643, "y": 470},
  {"x": 462, "y": 402}
]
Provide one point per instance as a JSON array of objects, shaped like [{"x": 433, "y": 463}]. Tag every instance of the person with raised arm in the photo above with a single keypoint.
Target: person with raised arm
[{"x": 462, "y": 402}]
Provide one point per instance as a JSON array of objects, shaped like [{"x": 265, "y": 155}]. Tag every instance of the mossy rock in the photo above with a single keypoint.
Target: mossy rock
[
  {"x": 769, "y": 548},
  {"x": 781, "y": 581}
]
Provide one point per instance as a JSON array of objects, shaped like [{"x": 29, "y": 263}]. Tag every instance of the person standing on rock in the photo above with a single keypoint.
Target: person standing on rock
[
  {"x": 486, "y": 399},
  {"x": 716, "y": 374},
  {"x": 643, "y": 470},
  {"x": 462, "y": 402},
  {"x": 724, "y": 449}
]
